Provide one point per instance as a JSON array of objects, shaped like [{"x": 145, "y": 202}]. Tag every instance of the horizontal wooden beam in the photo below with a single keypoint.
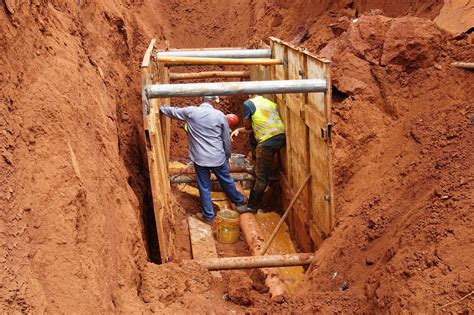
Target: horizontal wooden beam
[
  {"x": 209, "y": 74},
  {"x": 170, "y": 61},
  {"x": 268, "y": 261},
  {"x": 218, "y": 53},
  {"x": 236, "y": 88}
]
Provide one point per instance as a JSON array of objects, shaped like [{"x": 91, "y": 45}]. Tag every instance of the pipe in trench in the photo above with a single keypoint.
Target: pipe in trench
[
  {"x": 174, "y": 76},
  {"x": 253, "y": 236},
  {"x": 269, "y": 261},
  {"x": 191, "y": 171},
  {"x": 191, "y": 178},
  {"x": 236, "y": 88},
  {"x": 172, "y": 61},
  {"x": 218, "y": 53}
]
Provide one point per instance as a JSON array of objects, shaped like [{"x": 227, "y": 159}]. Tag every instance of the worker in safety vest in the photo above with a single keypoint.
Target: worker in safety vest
[
  {"x": 209, "y": 149},
  {"x": 267, "y": 136}
]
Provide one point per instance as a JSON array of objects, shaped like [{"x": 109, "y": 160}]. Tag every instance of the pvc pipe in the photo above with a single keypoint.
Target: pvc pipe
[
  {"x": 209, "y": 74},
  {"x": 464, "y": 65},
  {"x": 218, "y": 53},
  {"x": 270, "y": 261},
  {"x": 235, "y": 88},
  {"x": 170, "y": 61}
]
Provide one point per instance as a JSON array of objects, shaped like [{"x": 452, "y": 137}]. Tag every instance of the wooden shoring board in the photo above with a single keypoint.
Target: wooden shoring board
[
  {"x": 307, "y": 150},
  {"x": 163, "y": 77},
  {"x": 157, "y": 163},
  {"x": 300, "y": 146},
  {"x": 280, "y": 72},
  {"x": 300, "y": 218},
  {"x": 159, "y": 185},
  {"x": 318, "y": 116},
  {"x": 202, "y": 242}
]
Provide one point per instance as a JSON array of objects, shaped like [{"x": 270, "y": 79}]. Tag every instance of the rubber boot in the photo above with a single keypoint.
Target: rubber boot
[{"x": 254, "y": 200}]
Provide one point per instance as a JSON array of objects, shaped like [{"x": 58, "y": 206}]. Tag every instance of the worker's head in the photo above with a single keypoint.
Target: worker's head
[
  {"x": 233, "y": 120},
  {"x": 210, "y": 99}
]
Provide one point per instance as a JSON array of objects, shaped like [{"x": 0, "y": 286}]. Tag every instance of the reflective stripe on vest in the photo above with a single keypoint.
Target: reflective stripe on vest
[{"x": 266, "y": 121}]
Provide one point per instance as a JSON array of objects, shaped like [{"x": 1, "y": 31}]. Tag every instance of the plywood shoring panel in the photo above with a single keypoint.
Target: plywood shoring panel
[{"x": 308, "y": 149}]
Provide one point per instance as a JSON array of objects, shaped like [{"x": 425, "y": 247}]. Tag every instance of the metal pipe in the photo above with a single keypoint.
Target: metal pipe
[
  {"x": 169, "y": 61},
  {"x": 209, "y": 74},
  {"x": 464, "y": 65},
  {"x": 270, "y": 261},
  {"x": 191, "y": 171},
  {"x": 235, "y": 88},
  {"x": 191, "y": 178},
  {"x": 204, "y": 49},
  {"x": 254, "y": 237},
  {"x": 218, "y": 53}
]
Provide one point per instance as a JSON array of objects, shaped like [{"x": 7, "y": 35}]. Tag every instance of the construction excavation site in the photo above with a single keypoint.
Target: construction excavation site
[{"x": 369, "y": 202}]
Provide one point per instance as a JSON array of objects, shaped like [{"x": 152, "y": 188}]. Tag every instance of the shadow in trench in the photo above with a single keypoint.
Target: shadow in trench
[{"x": 139, "y": 181}]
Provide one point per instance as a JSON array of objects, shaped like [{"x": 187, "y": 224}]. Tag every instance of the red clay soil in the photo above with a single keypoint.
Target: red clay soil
[{"x": 75, "y": 228}]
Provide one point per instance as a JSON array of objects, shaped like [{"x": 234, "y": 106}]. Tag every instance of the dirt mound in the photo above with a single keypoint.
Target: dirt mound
[
  {"x": 403, "y": 149},
  {"x": 172, "y": 287}
]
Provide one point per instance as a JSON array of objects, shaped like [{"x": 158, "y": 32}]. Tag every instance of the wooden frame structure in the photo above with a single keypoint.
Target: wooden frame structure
[
  {"x": 307, "y": 119},
  {"x": 157, "y": 138}
]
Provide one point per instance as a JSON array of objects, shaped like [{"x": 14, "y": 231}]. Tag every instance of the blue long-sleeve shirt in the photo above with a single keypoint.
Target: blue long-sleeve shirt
[{"x": 208, "y": 133}]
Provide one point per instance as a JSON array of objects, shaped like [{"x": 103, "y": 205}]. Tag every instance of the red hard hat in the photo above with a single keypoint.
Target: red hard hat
[{"x": 233, "y": 120}]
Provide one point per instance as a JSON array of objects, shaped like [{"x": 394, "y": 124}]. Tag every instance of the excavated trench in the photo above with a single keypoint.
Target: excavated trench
[{"x": 72, "y": 229}]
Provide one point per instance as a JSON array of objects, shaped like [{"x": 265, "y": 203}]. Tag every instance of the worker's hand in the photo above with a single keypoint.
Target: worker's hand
[{"x": 234, "y": 133}]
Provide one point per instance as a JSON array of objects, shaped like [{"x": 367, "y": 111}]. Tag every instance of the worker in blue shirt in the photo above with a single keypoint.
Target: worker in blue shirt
[{"x": 209, "y": 149}]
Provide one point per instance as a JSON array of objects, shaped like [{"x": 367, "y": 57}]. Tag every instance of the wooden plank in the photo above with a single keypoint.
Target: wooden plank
[
  {"x": 163, "y": 76},
  {"x": 254, "y": 70},
  {"x": 158, "y": 179},
  {"x": 320, "y": 183},
  {"x": 296, "y": 71},
  {"x": 146, "y": 57},
  {"x": 315, "y": 234},
  {"x": 295, "y": 104},
  {"x": 315, "y": 70},
  {"x": 280, "y": 72},
  {"x": 202, "y": 242},
  {"x": 158, "y": 186},
  {"x": 157, "y": 164},
  {"x": 314, "y": 119},
  {"x": 301, "y": 229},
  {"x": 307, "y": 151}
]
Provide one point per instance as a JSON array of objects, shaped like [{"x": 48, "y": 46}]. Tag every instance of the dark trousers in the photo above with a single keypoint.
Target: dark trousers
[
  {"x": 263, "y": 155},
  {"x": 203, "y": 180}
]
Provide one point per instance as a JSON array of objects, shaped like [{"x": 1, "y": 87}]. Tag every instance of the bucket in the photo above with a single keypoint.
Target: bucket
[{"x": 227, "y": 225}]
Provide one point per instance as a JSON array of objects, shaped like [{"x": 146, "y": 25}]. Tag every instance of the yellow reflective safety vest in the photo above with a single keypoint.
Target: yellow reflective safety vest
[{"x": 266, "y": 121}]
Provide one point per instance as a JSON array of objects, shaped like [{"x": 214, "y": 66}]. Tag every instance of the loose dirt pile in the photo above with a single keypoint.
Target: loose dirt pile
[
  {"x": 75, "y": 230},
  {"x": 403, "y": 160}
]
